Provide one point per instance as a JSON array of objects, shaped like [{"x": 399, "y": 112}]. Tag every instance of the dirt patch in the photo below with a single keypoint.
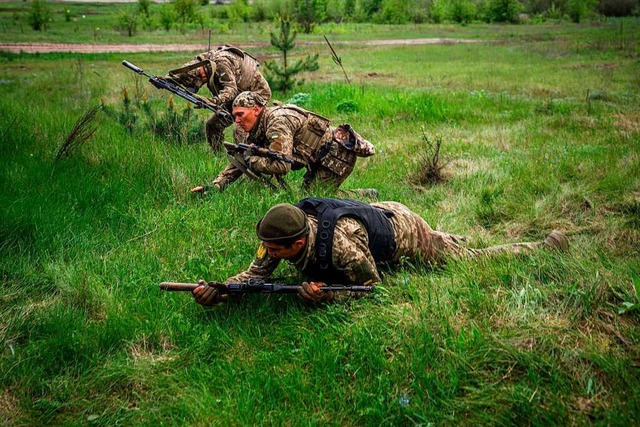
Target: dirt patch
[{"x": 110, "y": 48}]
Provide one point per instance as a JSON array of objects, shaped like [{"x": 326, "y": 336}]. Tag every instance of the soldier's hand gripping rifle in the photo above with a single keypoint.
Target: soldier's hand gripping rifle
[
  {"x": 256, "y": 286},
  {"x": 238, "y": 152},
  {"x": 254, "y": 150},
  {"x": 162, "y": 83}
]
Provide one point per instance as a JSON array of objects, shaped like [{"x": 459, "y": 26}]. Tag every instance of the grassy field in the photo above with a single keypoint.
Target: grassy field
[{"x": 540, "y": 128}]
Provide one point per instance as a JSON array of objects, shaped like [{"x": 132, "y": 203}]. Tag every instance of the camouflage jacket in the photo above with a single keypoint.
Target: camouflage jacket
[
  {"x": 351, "y": 255},
  {"x": 235, "y": 72},
  {"x": 297, "y": 134}
]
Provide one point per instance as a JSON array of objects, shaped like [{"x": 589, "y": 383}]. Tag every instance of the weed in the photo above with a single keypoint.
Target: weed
[{"x": 430, "y": 165}]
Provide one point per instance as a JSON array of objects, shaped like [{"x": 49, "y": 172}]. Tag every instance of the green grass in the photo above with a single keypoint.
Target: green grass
[{"x": 88, "y": 339}]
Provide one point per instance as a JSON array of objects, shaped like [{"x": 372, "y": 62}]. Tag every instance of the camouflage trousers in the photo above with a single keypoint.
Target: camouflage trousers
[
  {"x": 416, "y": 240},
  {"x": 214, "y": 129}
]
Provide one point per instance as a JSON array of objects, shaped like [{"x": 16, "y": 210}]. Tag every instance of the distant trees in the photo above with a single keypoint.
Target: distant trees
[{"x": 306, "y": 15}]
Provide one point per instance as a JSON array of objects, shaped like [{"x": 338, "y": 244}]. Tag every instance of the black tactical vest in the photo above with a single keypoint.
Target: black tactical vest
[{"x": 328, "y": 211}]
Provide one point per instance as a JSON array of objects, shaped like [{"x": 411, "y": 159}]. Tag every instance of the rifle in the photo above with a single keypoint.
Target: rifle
[
  {"x": 257, "y": 286},
  {"x": 254, "y": 150},
  {"x": 162, "y": 83}
]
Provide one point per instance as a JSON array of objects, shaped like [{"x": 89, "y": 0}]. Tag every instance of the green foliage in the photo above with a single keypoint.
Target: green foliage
[
  {"x": 167, "y": 17},
  {"x": 503, "y": 11},
  {"x": 631, "y": 300},
  {"x": 462, "y": 11},
  {"x": 580, "y": 9},
  {"x": 127, "y": 116},
  {"x": 300, "y": 99},
  {"x": 39, "y": 15},
  {"x": 347, "y": 106},
  {"x": 283, "y": 77},
  {"x": 394, "y": 12},
  {"x": 170, "y": 126},
  {"x": 127, "y": 22},
  {"x": 144, "y": 7},
  {"x": 174, "y": 127},
  {"x": 438, "y": 11},
  {"x": 88, "y": 339},
  {"x": 185, "y": 10},
  {"x": 307, "y": 13}
]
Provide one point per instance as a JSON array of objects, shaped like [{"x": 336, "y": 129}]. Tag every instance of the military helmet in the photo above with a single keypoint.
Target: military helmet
[{"x": 282, "y": 224}]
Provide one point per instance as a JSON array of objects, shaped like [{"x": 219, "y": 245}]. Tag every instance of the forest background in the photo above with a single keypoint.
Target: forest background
[{"x": 538, "y": 126}]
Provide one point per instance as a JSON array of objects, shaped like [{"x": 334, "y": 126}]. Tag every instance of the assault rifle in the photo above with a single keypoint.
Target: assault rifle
[
  {"x": 162, "y": 83},
  {"x": 257, "y": 286},
  {"x": 254, "y": 150}
]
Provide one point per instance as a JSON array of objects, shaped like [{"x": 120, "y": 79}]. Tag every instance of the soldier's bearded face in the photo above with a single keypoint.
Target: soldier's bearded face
[{"x": 246, "y": 117}]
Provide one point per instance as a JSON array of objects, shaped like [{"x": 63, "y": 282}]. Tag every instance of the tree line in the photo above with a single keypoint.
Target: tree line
[{"x": 306, "y": 14}]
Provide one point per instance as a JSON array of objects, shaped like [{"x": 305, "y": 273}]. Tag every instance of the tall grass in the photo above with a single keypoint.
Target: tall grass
[{"x": 88, "y": 339}]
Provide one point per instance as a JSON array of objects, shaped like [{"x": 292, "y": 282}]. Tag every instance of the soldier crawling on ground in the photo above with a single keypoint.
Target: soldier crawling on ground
[
  {"x": 226, "y": 71},
  {"x": 327, "y": 153},
  {"x": 342, "y": 241}
]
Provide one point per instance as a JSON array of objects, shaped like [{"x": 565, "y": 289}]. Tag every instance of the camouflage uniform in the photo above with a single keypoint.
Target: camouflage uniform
[
  {"x": 328, "y": 153},
  {"x": 235, "y": 72},
  {"x": 415, "y": 240}
]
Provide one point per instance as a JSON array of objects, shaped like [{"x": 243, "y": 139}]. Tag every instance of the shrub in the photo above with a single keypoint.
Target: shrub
[
  {"x": 167, "y": 17},
  {"x": 144, "y": 7},
  {"x": 39, "y": 15},
  {"x": 127, "y": 22},
  {"x": 185, "y": 10},
  {"x": 578, "y": 9},
  {"x": 430, "y": 165},
  {"x": 503, "y": 11},
  {"x": 438, "y": 11},
  {"x": 462, "y": 11}
]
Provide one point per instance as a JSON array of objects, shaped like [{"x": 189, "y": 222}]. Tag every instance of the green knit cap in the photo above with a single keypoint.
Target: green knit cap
[{"x": 282, "y": 224}]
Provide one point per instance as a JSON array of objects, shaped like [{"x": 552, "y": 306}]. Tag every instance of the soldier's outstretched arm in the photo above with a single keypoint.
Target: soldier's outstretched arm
[{"x": 262, "y": 266}]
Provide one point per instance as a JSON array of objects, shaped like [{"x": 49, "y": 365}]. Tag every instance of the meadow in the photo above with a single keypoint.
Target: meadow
[{"x": 540, "y": 131}]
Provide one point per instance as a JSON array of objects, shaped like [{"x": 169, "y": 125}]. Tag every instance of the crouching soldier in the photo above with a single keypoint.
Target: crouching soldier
[
  {"x": 327, "y": 153},
  {"x": 226, "y": 71}
]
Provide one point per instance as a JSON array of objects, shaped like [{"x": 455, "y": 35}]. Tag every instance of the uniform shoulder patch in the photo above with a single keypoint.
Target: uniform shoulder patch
[
  {"x": 261, "y": 252},
  {"x": 274, "y": 135}
]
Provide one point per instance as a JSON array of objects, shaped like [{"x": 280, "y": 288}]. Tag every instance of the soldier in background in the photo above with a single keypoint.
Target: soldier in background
[
  {"x": 328, "y": 153},
  {"x": 342, "y": 241},
  {"x": 226, "y": 71}
]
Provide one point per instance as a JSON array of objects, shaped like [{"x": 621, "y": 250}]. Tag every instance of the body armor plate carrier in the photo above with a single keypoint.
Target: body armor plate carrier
[{"x": 328, "y": 211}]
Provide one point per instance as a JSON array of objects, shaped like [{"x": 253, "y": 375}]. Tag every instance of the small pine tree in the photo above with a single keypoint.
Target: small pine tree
[{"x": 282, "y": 78}]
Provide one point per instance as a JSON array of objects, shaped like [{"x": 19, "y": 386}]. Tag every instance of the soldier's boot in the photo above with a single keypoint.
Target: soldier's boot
[
  {"x": 359, "y": 138},
  {"x": 557, "y": 241}
]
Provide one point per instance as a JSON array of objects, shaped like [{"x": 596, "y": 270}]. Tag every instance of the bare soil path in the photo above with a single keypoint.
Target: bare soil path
[{"x": 106, "y": 48}]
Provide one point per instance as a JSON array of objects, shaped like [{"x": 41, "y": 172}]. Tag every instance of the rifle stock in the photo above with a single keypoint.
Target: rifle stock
[{"x": 259, "y": 286}]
